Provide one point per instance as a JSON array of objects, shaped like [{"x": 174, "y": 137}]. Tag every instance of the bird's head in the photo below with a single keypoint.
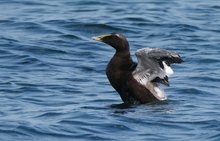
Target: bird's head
[{"x": 116, "y": 40}]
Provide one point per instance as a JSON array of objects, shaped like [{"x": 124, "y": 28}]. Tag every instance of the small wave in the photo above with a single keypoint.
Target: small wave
[
  {"x": 26, "y": 3},
  {"x": 70, "y": 36}
]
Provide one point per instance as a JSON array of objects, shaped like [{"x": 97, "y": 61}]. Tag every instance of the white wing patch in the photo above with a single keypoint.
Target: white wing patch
[{"x": 167, "y": 69}]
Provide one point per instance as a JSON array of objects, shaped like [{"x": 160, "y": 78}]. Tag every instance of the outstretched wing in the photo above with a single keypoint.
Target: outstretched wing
[
  {"x": 154, "y": 63},
  {"x": 160, "y": 55}
]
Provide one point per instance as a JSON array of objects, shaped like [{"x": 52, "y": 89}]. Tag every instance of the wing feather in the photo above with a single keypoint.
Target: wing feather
[
  {"x": 160, "y": 55},
  {"x": 151, "y": 63}
]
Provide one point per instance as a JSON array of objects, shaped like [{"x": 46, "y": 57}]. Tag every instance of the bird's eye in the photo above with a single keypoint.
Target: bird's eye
[{"x": 117, "y": 35}]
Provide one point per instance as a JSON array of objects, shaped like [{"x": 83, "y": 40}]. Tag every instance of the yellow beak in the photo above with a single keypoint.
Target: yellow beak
[{"x": 99, "y": 38}]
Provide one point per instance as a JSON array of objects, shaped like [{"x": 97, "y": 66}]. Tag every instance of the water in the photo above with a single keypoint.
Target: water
[{"x": 52, "y": 75}]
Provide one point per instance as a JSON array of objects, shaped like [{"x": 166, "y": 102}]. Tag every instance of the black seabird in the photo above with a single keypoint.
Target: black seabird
[{"x": 138, "y": 82}]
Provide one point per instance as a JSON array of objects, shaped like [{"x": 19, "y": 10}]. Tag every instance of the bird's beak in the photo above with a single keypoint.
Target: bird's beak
[{"x": 99, "y": 38}]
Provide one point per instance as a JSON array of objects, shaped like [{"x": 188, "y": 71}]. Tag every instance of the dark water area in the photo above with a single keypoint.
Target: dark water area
[{"x": 52, "y": 75}]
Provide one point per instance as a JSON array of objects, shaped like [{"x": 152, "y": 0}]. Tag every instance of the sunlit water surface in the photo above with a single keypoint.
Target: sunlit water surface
[{"x": 53, "y": 85}]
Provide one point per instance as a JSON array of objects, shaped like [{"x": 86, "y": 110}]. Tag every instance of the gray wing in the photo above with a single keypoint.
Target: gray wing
[
  {"x": 153, "y": 63},
  {"x": 160, "y": 55}
]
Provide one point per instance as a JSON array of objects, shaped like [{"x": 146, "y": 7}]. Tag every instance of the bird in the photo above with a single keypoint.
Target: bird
[{"x": 138, "y": 82}]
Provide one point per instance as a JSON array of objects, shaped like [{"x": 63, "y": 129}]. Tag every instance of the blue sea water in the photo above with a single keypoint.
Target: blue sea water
[{"x": 52, "y": 75}]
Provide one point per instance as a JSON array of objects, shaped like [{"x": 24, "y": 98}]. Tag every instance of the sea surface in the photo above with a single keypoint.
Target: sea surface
[{"x": 53, "y": 85}]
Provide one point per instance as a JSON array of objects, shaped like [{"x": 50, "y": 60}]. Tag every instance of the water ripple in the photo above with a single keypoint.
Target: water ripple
[{"x": 53, "y": 84}]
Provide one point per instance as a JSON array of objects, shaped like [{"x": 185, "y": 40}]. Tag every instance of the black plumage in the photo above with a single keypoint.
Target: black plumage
[{"x": 137, "y": 82}]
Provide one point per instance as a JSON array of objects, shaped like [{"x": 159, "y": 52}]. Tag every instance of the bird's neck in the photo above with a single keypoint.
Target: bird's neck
[
  {"x": 122, "y": 59},
  {"x": 123, "y": 54}
]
